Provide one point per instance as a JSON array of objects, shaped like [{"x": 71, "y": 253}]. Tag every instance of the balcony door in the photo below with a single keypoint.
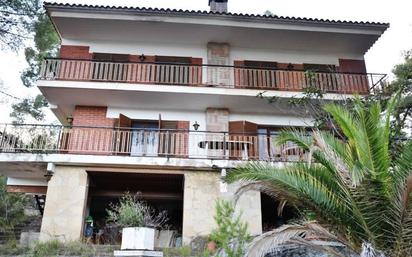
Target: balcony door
[{"x": 145, "y": 138}]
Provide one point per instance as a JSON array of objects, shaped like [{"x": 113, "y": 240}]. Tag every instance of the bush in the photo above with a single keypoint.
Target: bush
[{"x": 132, "y": 212}]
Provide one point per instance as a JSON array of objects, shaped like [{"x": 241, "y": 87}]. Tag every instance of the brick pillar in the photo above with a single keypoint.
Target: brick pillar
[{"x": 66, "y": 199}]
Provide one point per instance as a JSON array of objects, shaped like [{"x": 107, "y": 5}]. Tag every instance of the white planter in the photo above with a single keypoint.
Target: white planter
[{"x": 138, "y": 238}]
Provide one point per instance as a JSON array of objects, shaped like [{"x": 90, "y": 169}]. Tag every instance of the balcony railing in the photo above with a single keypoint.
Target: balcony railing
[
  {"x": 209, "y": 76},
  {"x": 144, "y": 143}
]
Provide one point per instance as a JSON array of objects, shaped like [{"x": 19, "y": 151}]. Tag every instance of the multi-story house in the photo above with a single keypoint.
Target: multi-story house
[{"x": 164, "y": 102}]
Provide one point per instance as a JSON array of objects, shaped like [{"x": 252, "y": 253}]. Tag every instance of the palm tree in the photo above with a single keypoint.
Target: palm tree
[{"x": 356, "y": 190}]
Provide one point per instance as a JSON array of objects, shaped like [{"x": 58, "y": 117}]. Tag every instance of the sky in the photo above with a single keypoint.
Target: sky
[{"x": 381, "y": 58}]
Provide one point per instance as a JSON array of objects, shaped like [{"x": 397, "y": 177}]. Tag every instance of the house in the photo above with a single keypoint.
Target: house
[{"x": 164, "y": 102}]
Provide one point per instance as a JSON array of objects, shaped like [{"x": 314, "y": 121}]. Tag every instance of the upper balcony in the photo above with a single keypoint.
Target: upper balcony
[{"x": 216, "y": 76}]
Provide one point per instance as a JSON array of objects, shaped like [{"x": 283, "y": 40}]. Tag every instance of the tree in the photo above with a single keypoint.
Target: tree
[
  {"x": 17, "y": 18},
  {"x": 11, "y": 209},
  {"x": 231, "y": 233},
  {"x": 20, "y": 22},
  {"x": 29, "y": 107},
  {"x": 352, "y": 183}
]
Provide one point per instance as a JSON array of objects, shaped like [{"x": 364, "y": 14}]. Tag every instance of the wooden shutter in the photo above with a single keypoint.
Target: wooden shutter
[
  {"x": 356, "y": 80},
  {"x": 116, "y": 70},
  {"x": 123, "y": 135},
  {"x": 257, "y": 74},
  {"x": 239, "y": 133},
  {"x": 168, "y": 73},
  {"x": 196, "y": 71}
]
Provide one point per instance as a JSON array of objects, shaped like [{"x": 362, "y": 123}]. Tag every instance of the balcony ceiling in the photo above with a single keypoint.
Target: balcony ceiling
[
  {"x": 65, "y": 95},
  {"x": 161, "y": 30}
]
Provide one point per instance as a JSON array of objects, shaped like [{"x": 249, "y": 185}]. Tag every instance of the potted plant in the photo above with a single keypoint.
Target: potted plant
[{"x": 138, "y": 222}]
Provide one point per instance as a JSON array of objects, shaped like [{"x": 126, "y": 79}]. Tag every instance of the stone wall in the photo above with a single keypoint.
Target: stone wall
[
  {"x": 66, "y": 198},
  {"x": 201, "y": 191}
]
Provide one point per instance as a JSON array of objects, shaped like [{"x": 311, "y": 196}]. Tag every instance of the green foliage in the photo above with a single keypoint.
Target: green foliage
[
  {"x": 128, "y": 213},
  {"x": 11, "y": 209},
  {"x": 56, "y": 248},
  {"x": 46, "y": 43},
  {"x": 21, "y": 21},
  {"x": 51, "y": 248},
  {"x": 17, "y": 19},
  {"x": 32, "y": 107},
  {"x": 178, "y": 251},
  {"x": 132, "y": 212},
  {"x": 11, "y": 248},
  {"x": 231, "y": 233},
  {"x": 352, "y": 183}
]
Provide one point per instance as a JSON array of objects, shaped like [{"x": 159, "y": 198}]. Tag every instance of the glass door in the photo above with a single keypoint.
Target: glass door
[{"x": 145, "y": 139}]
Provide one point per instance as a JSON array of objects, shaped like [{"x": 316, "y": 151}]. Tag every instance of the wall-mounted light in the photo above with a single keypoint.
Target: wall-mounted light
[
  {"x": 70, "y": 120},
  {"x": 196, "y": 125},
  {"x": 142, "y": 58}
]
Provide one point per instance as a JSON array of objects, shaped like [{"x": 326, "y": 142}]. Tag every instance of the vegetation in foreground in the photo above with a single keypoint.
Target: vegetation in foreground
[
  {"x": 50, "y": 249},
  {"x": 350, "y": 181}
]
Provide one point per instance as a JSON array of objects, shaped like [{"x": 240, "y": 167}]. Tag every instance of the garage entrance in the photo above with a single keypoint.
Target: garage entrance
[{"x": 164, "y": 192}]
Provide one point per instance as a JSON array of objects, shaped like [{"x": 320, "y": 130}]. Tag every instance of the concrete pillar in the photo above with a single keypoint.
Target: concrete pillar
[
  {"x": 201, "y": 190},
  {"x": 66, "y": 199},
  {"x": 219, "y": 54},
  {"x": 217, "y": 120}
]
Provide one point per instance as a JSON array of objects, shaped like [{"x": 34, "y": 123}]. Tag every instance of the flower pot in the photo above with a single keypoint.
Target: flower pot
[
  {"x": 138, "y": 238},
  {"x": 211, "y": 247}
]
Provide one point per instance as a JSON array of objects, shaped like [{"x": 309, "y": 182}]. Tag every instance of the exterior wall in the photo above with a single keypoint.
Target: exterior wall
[
  {"x": 66, "y": 198},
  {"x": 201, "y": 191},
  {"x": 75, "y": 52},
  {"x": 92, "y": 116},
  {"x": 200, "y": 117},
  {"x": 200, "y": 50}
]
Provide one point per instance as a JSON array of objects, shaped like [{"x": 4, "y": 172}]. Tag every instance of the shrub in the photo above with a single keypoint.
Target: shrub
[
  {"x": 55, "y": 248},
  {"x": 132, "y": 212}
]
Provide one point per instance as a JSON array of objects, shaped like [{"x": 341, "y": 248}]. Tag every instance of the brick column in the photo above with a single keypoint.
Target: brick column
[{"x": 66, "y": 199}]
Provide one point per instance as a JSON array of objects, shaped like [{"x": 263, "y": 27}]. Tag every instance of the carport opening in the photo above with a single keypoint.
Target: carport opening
[
  {"x": 164, "y": 192},
  {"x": 271, "y": 219}
]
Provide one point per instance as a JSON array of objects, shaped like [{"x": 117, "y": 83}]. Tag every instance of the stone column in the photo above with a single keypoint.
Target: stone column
[
  {"x": 201, "y": 191},
  {"x": 217, "y": 119},
  {"x": 66, "y": 199},
  {"x": 219, "y": 54}
]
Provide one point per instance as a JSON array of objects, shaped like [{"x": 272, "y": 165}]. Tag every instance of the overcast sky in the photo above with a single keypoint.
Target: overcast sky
[{"x": 380, "y": 59}]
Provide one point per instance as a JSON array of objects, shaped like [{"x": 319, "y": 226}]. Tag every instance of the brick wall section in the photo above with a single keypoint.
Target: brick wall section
[
  {"x": 92, "y": 116},
  {"x": 75, "y": 52},
  {"x": 79, "y": 140}
]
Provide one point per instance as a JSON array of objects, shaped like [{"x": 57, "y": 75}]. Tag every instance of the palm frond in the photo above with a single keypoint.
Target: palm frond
[{"x": 297, "y": 233}]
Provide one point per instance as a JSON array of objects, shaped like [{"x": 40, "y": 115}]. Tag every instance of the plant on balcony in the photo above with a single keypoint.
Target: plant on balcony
[
  {"x": 138, "y": 220},
  {"x": 356, "y": 189}
]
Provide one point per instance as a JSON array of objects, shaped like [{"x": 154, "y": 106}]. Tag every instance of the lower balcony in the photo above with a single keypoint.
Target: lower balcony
[
  {"x": 238, "y": 77},
  {"x": 49, "y": 139}
]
